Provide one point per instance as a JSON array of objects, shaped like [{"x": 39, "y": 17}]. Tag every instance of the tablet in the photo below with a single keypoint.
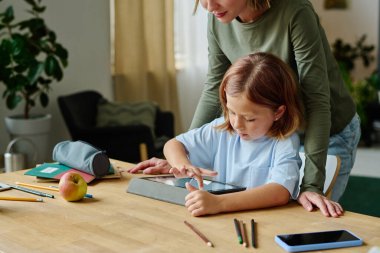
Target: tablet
[
  {"x": 211, "y": 186},
  {"x": 318, "y": 240}
]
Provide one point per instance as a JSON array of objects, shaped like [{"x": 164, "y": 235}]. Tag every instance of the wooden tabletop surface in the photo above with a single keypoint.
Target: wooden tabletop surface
[{"x": 116, "y": 221}]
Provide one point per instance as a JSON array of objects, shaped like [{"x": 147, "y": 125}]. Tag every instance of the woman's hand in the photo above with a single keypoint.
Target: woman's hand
[
  {"x": 152, "y": 166},
  {"x": 199, "y": 202},
  {"x": 328, "y": 207},
  {"x": 194, "y": 172}
]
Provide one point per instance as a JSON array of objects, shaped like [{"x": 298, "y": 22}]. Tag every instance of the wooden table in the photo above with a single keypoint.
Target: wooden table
[{"x": 116, "y": 221}]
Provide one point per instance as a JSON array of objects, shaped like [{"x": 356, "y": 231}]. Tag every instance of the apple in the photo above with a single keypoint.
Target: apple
[{"x": 72, "y": 186}]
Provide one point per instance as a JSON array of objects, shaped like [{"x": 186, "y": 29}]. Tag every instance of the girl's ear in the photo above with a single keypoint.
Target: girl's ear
[{"x": 280, "y": 111}]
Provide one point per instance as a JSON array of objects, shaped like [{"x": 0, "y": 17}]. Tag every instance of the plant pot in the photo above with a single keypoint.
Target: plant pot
[{"x": 36, "y": 129}]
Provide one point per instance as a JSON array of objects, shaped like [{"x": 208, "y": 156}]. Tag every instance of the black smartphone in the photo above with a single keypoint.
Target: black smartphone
[{"x": 318, "y": 240}]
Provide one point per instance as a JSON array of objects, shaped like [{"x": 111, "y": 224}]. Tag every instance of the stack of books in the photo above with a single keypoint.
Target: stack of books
[{"x": 54, "y": 171}]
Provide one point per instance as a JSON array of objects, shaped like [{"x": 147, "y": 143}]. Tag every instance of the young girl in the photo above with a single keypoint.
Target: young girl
[{"x": 253, "y": 145}]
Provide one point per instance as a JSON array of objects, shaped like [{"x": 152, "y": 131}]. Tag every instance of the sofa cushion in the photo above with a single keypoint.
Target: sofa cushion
[{"x": 123, "y": 114}]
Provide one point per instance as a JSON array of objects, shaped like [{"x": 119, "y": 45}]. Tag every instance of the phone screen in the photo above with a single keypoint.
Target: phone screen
[{"x": 318, "y": 237}]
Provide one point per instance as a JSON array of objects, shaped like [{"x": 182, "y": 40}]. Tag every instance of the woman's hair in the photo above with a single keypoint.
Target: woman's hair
[
  {"x": 268, "y": 81},
  {"x": 255, "y": 4}
]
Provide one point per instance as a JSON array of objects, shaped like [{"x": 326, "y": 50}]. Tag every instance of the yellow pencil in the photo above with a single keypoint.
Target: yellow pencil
[
  {"x": 21, "y": 199},
  {"x": 38, "y": 186}
]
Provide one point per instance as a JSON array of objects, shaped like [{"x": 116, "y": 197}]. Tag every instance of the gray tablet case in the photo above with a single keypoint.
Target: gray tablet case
[
  {"x": 157, "y": 190},
  {"x": 175, "y": 192}
]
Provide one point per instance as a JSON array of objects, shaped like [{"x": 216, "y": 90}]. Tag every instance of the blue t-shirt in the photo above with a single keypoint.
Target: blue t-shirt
[{"x": 244, "y": 163}]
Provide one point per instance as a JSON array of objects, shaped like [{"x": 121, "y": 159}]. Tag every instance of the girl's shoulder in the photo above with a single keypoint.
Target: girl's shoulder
[
  {"x": 209, "y": 128},
  {"x": 291, "y": 142}
]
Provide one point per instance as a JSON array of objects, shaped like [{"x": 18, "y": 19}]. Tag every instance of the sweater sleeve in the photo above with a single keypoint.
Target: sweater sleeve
[
  {"x": 208, "y": 107},
  {"x": 307, "y": 38}
]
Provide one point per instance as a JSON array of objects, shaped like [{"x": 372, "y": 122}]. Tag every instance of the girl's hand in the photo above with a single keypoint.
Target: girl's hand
[
  {"x": 199, "y": 202},
  {"x": 152, "y": 166},
  {"x": 194, "y": 172}
]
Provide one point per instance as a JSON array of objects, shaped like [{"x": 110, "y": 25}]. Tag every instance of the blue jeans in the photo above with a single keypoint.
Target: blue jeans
[{"x": 344, "y": 145}]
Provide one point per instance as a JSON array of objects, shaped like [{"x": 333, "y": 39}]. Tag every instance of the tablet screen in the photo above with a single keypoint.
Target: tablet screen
[{"x": 208, "y": 185}]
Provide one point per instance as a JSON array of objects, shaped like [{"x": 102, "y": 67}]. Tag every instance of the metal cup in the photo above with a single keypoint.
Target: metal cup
[{"x": 16, "y": 161}]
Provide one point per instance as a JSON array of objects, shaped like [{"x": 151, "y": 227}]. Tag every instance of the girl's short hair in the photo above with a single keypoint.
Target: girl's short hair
[
  {"x": 255, "y": 4},
  {"x": 268, "y": 81}
]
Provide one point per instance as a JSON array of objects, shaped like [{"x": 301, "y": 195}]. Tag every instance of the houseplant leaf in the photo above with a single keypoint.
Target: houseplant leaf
[
  {"x": 44, "y": 99},
  {"x": 35, "y": 71},
  {"x": 30, "y": 57},
  {"x": 52, "y": 67},
  {"x": 8, "y": 15},
  {"x": 5, "y": 58},
  {"x": 13, "y": 100}
]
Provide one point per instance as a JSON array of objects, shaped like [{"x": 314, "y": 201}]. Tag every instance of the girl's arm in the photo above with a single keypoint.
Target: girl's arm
[
  {"x": 201, "y": 202},
  {"x": 176, "y": 155}
]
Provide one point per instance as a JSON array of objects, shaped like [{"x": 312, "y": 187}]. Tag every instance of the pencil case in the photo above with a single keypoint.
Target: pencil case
[{"x": 82, "y": 156}]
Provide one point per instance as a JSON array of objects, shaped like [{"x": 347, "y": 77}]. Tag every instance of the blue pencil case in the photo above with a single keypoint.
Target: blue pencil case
[{"x": 82, "y": 156}]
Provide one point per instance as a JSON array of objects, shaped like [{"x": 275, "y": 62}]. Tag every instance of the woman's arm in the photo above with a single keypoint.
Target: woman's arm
[
  {"x": 308, "y": 42},
  {"x": 313, "y": 55},
  {"x": 200, "y": 202}
]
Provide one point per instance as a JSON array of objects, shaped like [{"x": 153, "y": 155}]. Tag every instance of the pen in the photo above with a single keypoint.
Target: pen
[
  {"x": 21, "y": 199},
  {"x": 238, "y": 232},
  {"x": 253, "y": 233},
  {"x": 42, "y": 194},
  {"x": 202, "y": 236}
]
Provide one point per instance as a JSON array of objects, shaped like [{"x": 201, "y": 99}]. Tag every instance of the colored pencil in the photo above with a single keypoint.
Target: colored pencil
[
  {"x": 50, "y": 188},
  {"x": 42, "y": 194},
  {"x": 38, "y": 186},
  {"x": 253, "y": 233},
  {"x": 238, "y": 231},
  {"x": 202, "y": 236},
  {"x": 244, "y": 234},
  {"x": 21, "y": 199}
]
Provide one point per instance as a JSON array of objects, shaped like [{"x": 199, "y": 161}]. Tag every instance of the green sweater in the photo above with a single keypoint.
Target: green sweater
[{"x": 291, "y": 30}]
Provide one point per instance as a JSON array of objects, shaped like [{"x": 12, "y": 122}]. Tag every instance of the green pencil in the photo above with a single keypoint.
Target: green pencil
[{"x": 238, "y": 232}]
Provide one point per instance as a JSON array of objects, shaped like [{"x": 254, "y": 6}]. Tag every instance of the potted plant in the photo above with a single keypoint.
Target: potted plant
[
  {"x": 30, "y": 60},
  {"x": 365, "y": 91}
]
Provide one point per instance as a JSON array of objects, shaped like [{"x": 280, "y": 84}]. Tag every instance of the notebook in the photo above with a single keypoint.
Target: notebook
[{"x": 55, "y": 171}]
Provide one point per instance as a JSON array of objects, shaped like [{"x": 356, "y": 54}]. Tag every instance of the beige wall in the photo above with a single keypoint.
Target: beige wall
[
  {"x": 83, "y": 28},
  {"x": 361, "y": 17}
]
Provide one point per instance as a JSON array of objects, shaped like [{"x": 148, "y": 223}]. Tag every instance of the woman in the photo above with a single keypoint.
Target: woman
[{"x": 289, "y": 29}]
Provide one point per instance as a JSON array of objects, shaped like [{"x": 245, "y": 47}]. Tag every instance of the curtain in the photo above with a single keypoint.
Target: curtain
[
  {"x": 144, "y": 67},
  {"x": 191, "y": 56}
]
